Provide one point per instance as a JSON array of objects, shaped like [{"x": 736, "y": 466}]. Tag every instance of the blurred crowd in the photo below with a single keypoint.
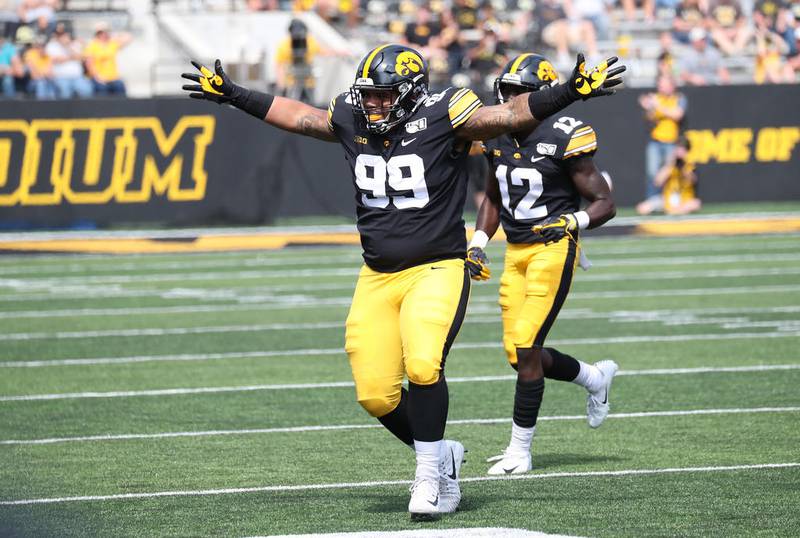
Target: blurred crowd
[
  {"x": 41, "y": 58},
  {"x": 467, "y": 41}
]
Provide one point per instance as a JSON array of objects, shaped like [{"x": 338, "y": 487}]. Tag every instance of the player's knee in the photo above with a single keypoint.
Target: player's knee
[
  {"x": 422, "y": 372},
  {"x": 378, "y": 406}
]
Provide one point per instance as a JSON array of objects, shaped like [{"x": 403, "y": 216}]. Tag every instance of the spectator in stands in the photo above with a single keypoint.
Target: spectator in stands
[
  {"x": 452, "y": 41},
  {"x": 688, "y": 15},
  {"x": 648, "y": 8},
  {"x": 774, "y": 16},
  {"x": 40, "y": 68},
  {"x": 678, "y": 181},
  {"x": 560, "y": 28},
  {"x": 485, "y": 60},
  {"x": 666, "y": 59},
  {"x": 665, "y": 110},
  {"x": 101, "y": 60},
  {"x": 424, "y": 34},
  {"x": 67, "y": 65},
  {"x": 702, "y": 64},
  {"x": 593, "y": 11},
  {"x": 793, "y": 60},
  {"x": 465, "y": 14},
  {"x": 39, "y": 14},
  {"x": 729, "y": 27},
  {"x": 262, "y": 5},
  {"x": 10, "y": 67},
  {"x": 294, "y": 62},
  {"x": 770, "y": 51}
]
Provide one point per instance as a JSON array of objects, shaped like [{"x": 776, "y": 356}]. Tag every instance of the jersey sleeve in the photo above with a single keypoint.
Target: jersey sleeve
[
  {"x": 338, "y": 111},
  {"x": 581, "y": 141},
  {"x": 462, "y": 105}
]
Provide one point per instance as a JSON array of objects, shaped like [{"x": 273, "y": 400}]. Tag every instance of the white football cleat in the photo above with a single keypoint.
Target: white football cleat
[
  {"x": 510, "y": 463},
  {"x": 597, "y": 402},
  {"x": 449, "y": 471},
  {"x": 424, "y": 503}
]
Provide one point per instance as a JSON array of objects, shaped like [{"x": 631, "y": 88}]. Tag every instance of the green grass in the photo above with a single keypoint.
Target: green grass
[{"x": 741, "y": 288}]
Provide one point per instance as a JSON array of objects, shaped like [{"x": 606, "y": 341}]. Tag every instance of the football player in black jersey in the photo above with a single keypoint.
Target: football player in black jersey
[
  {"x": 407, "y": 150},
  {"x": 537, "y": 179}
]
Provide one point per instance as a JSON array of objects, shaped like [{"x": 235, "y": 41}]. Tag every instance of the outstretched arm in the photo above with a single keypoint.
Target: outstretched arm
[
  {"x": 287, "y": 114},
  {"x": 526, "y": 111},
  {"x": 300, "y": 118}
]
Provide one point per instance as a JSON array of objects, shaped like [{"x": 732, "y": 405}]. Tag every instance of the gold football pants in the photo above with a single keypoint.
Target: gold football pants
[
  {"x": 403, "y": 323},
  {"x": 535, "y": 282}
]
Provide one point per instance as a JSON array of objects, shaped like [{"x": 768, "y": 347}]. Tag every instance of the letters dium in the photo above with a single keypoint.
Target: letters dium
[{"x": 100, "y": 160}]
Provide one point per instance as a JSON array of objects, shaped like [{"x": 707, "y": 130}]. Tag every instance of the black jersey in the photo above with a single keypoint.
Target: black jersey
[
  {"x": 532, "y": 174},
  {"x": 410, "y": 183}
]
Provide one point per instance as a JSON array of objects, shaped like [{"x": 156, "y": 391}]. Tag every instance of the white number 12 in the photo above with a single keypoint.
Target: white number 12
[{"x": 524, "y": 209}]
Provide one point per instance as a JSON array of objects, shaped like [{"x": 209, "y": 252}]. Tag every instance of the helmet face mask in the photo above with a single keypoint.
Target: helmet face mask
[
  {"x": 525, "y": 73},
  {"x": 391, "y": 68}
]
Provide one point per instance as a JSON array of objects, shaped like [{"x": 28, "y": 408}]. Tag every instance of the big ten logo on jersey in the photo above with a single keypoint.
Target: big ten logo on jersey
[
  {"x": 100, "y": 160},
  {"x": 417, "y": 125},
  {"x": 546, "y": 149}
]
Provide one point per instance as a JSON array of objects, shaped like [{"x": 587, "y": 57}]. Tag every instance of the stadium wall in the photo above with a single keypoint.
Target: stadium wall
[{"x": 180, "y": 162}]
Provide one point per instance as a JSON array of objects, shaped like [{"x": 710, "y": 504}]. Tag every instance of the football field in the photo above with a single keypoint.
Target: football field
[{"x": 209, "y": 395}]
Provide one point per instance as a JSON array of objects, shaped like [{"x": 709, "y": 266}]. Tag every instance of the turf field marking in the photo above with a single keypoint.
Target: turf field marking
[
  {"x": 341, "y": 384},
  {"x": 350, "y": 271},
  {"x": 722, "y": 322},
  {"x": 568, "y": 313},
  {"x": 346, "y": 427},
  {"x": 348, "y": 485},
  {"x": 147, "y": 264},
  {"x": 247, "y": 295},
  {"x": 471, "y": 532},
  {"x": 340, "y": 351}
]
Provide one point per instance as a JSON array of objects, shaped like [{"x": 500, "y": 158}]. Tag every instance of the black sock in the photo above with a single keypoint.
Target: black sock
[
  {"x": 527, "y": 400},
  {"x": 562, "y": 367},
  {"x": 427, "y": 410},
  {"x": 397, "y": 422}
]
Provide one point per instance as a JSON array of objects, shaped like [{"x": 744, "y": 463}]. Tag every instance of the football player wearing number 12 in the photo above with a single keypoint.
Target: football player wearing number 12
[
  {"x": 407, "y": 150},
  {"x": 537, "y": 179}
]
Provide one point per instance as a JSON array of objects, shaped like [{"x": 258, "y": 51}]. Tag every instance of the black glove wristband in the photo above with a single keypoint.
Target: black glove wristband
[
  {"x": 254, "y": 103},
  {"x": 548, "y": 101}
]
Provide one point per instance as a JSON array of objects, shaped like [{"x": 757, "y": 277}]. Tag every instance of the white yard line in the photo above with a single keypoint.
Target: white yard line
[
  {"x": 348, "y": 485},
  {"x": 350, "y": 271},
  {"x": 339, "y": 351},
  {"x": 204, "y": 308},
  {"x": 345, "y": 384},
  {"x": 571, "y": 313},
  {"x": 482, "y": 293},
  {"x": 339, "y": 427},
  {"x": 602, "y": 253}
]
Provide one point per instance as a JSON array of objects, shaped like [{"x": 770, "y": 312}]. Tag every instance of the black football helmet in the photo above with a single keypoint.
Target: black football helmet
[
  {"x": 390, "y": 67},
  {"x": 528, "y": 71}
]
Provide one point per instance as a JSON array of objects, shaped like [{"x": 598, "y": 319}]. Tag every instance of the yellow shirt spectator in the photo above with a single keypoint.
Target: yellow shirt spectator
[
  {"x": 103, "y": 57},
  {"x": 679, "y": 188},
  {"x": 666, "y": 129},
  {"x": 283, "y": 55},
  {"x": 38, "y": 62}
]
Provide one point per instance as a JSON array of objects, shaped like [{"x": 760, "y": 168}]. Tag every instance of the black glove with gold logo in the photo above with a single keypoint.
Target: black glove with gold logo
[
  {"x": 555, "y": 229},
  {"x": 597, "y": 81},
  {"x": 478, "y": 264},
  {"x": 216, "y": 86}
]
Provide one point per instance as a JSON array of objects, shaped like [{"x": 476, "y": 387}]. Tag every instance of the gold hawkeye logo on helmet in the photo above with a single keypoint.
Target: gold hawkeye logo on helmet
[
  {"x": 407, "y": 63},
  {"x": 546, "y": 72}
]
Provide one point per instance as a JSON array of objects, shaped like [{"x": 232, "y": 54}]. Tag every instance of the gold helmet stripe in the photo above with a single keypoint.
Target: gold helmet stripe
[
  {"x": 371, "y": 57},
  {"x": 518, "y": 61}
]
